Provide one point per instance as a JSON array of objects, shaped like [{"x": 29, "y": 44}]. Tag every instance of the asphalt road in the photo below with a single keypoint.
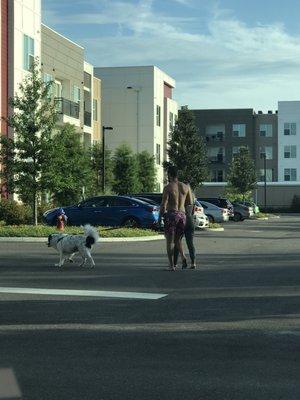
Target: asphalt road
[{"x": 228, "y": 330}]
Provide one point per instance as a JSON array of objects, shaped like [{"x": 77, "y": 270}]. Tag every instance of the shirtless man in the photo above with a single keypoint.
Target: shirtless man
[{"x": 176, "y": 196}]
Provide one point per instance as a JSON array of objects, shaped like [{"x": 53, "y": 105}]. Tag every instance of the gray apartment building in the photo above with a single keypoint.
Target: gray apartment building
[
  {"x": 74, "y": 84},
  {"x": 226, "y": 131}
]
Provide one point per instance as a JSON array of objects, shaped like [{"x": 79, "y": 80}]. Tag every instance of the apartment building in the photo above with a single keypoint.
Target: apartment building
[
  {"x": 73, "y": 83},
  {"x": 139, "y": 106},
  {"x": 289, "y": 141}
]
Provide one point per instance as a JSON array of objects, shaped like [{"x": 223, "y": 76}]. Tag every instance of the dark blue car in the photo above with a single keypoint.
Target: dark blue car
[{"x": 109, "y": 211}]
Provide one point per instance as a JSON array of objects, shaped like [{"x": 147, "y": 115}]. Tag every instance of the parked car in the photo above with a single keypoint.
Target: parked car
[
  {"x": 241, "y": 212},
  {"x": 109, "y": 211},
  {"x": 251, "y": 204},
  {"x": 214, "y": 213},
  {"x": 220, "y": 202},
  {"x": 157, "y": 197}
]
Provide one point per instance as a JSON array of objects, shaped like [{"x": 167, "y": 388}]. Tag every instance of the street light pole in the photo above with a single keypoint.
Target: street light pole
[{"x": 104, "y": 128}]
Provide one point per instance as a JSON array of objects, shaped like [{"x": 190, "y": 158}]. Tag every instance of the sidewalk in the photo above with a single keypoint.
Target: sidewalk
[{"x": 102, "y": 240}]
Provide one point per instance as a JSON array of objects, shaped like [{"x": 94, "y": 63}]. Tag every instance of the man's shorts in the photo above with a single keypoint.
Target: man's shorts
[{"x": 174, "y": 222}]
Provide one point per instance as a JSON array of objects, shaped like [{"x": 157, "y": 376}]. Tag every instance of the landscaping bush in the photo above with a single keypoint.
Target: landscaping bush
[
  {"x": 14, "y": 213},
  {"x": 296, "y": 203}
]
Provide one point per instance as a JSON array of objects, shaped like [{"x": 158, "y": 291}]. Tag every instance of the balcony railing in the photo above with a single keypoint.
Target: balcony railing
[
  {"x": 87, "y": 118},
  {"x": 217, "y": 159},
  {"x": 219, "y": 137},
  {"x": 67, "y": 107}
]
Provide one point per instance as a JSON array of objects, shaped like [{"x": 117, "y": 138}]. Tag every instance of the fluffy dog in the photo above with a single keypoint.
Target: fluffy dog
[{"x": 69, "y": 245}]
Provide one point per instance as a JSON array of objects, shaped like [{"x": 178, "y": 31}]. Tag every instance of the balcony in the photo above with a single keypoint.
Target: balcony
[
  {"x": 87, "y": 118},
  {"x": 219, "y": 159},
  {"x": 67, "y": 107},
  {"x": 219, "y": 137}
]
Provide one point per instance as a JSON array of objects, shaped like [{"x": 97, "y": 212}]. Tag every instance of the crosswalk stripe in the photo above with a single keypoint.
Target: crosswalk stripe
[{"x": 83, "y": 293}]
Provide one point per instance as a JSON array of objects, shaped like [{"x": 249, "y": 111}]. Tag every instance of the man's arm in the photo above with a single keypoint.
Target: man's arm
[
  {"x": 189, "y": 197},
  {"x": 164, "y": 201}
]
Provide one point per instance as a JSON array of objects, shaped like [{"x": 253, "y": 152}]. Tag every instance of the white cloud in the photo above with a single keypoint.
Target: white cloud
[{"x": 230, "y": 65}]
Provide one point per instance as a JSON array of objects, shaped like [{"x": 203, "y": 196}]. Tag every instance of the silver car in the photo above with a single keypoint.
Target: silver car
[{"x": 214, "y": 213}]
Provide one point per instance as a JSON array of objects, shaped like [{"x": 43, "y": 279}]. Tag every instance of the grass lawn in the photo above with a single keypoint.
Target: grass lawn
[{"x": 44, "y": 231}]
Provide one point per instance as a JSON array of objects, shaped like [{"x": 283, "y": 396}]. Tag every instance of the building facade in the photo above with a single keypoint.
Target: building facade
[
  {"x": 138, "y": 104},
  {"x": 289, "y": 141},
  {"x": 73, "y": 82}
]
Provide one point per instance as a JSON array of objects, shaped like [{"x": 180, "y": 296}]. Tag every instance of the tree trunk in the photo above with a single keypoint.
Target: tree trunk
[{"x": 35, "y": 220}]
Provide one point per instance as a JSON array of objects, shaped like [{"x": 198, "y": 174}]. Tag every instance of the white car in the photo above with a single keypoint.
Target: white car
[
  {"x": 200, "y": 219},
  {"x": 214, "y": 213}
]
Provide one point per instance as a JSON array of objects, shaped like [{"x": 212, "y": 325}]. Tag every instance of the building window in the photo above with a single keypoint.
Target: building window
[
  {"x": 239, "y": 130},
  {"x": 265, "y": 130},
  {"x": 236, "y": 149},
  {"x": 269, "y": 175},
  {"x": 76, "y": 94},
  {"x": 216, "y": 154},
  {"x": 290, "y": 151},
  {"x": 47, "y": 78},
  {"x": 290, "y": 174},
  {"x": 158, "y": 113},
  {"x": 290, "y": 128},
  {"x": 95, "y": 110},
  {"x": 28, "y": 52},
  {"x": 158, "y": 154},
  {"x": 215, "y": 133},
  {"x": 266, "y": 151},
  {"x": 87, "y": 80},
  {"x": 57, "y": 89},
  {"x": 171, "y": 121},
  {"x": 217, "y": 176}
]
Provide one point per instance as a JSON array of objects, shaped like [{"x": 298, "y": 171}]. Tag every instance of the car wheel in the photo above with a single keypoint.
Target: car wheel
[
  {"x": 237, "y": 217},
  {"x": 210, "y": 219},
  {"x": 131, "y": 222}
]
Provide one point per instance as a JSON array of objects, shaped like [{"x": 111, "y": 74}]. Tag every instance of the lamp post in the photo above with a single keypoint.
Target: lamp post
[
  {"x": 104, "y": 128},
  {"x": 265, "y": 177},
  {"x": 137, "y": 89}
]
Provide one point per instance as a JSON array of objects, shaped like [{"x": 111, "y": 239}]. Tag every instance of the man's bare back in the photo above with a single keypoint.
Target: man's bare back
[{"x": 175, "y": 196}]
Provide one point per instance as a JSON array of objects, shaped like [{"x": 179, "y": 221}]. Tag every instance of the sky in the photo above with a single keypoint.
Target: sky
[{"x": 221, "y": 53}]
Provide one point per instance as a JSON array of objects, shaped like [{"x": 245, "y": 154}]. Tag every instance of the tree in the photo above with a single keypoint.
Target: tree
[
  {"x": 242, "y": 174},
  {"x": 27, "y": 155},
  {"x": 69, "y": 168},
  {"x": 146, "y": 171},
  {"x": 97, "y": 167},
  {"x": 125, "y": 171},
  {"x": 187, "y": 151}
]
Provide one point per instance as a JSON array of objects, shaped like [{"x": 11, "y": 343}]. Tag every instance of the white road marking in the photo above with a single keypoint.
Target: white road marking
[
  {"x": 9, "y": 388},
  {"x": 83, "y": 293}
]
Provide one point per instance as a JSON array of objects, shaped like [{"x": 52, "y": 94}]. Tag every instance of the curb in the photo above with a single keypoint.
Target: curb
[
  {"x": 102, "y": 240},
  {"x": 215, "y": 229},
  {"x": 262, "y": 219}
]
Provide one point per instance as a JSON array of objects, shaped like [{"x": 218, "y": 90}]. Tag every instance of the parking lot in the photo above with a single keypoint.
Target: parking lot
[{"x": 227, "y": 330}]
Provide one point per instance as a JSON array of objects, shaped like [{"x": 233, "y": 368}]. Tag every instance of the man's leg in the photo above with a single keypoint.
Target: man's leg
[{"x": 170, "y": 250}]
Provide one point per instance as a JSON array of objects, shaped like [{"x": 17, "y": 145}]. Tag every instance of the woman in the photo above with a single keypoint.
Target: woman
[{"x": 189, "y": 235}]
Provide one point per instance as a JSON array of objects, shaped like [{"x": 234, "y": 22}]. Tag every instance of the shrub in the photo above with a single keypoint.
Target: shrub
[
  {"x": 13, "y": 213},
  {"x": 296, "y": 203}
]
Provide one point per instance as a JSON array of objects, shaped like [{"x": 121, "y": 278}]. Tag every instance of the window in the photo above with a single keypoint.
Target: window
[
  {"x": 47, "y": 78},
  {"x": 158, "y": 112},
  {"x": 171, "y": 121},
  {"x": 216, "y": 154},
  {"x": 217, "y": 176},
  {"x": 290, "y": 174},
  {"x": 239, "y": 130},
  {"x": 265, "y": 130},
  {"x": 57, "y": 89},
  {"x": 290, "y": 151},
  {"x": 96, "y": 202},
  {"x": 28, "y": 52},
  {"x": 119, "y": 202},
  {"x": 266, "y": 151},
  {"x": 87, "y": 80},
  {"x": 215, "y": 132},
  {"x": 269, "y": 175},
  {"x": 158, "y": 154},
  {"x": 95, "y": 110},
  {"x": 76, "y": 94},
  {"x": 290, "y": 128}
]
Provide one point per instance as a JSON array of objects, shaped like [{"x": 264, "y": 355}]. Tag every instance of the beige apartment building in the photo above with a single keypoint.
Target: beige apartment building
[{"x": 76, "y": 91}]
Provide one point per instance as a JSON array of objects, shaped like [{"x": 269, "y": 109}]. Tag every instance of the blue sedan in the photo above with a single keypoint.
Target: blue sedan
[{"x": 109, "y": 211}]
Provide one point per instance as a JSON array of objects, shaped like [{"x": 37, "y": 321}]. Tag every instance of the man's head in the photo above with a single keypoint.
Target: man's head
[{"x": 172, "y": 173}]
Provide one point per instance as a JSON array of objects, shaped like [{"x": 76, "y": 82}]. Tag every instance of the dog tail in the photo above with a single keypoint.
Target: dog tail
[{"x": 92, "y": 235}]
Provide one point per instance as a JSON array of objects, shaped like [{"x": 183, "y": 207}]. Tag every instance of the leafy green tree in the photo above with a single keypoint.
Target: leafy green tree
[
  {"x": 125, "y": 171},
  {"x": 69, "y": 169},
  {"x": 146, "y": 171},
  {"x": 97, "y": 167},
  {"x": 187, "y": 151},
  {"x": 25, "y": 157},
  {"x": 242, "y": 177}
]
